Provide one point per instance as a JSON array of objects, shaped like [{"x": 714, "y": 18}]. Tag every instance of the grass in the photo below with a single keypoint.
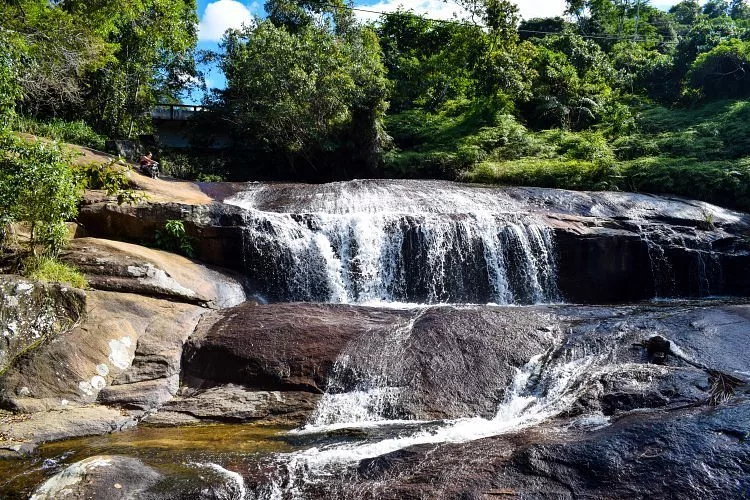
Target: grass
[
  {"x": 76, "y": 132},
  {"x": 50, "y": 270}
]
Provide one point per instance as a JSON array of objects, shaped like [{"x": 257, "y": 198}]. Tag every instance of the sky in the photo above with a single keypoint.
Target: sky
[{"x": 216, "y": 16}]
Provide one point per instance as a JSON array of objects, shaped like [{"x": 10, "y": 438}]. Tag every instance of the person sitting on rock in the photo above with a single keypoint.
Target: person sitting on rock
[{"x": 147, "y": 163}]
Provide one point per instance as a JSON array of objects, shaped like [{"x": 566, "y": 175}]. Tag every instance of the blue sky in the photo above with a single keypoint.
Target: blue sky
[{"x": 216, "y": 16}]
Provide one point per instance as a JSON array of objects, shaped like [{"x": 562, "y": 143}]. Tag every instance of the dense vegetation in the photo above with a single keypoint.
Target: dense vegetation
[{"x": 618, "y": 95}]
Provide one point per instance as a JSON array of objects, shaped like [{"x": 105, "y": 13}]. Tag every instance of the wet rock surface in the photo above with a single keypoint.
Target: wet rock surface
[
  {"x": 640, "y": 401},
  {"x": 634, "y": 429},
  {"x": 103, "y": 477},
  {"x": 296, "y": 346},
  {"x": 697, "y": 453}
]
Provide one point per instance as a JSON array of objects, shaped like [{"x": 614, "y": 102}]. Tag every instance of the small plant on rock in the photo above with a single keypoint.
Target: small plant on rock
[
  {"x": 110, "y": 177},
  {"x": 174, "y": 238},
  {"x": 47, "y": 269}
]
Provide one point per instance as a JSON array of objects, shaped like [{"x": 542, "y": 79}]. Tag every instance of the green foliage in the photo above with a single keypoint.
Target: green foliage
[
  {"x": 110, "y": 177},
  {"x": 37, "y": 186},
  {"x": 174, "y": 238},
  {"x": 724, "y": 71},
  {"x": 557, "y": 173},
  {"x": 301, "y": 97},
  {"x": 105, "y": 60},
  {"x": 76, "y": 132},
  {"x": 48, "y": 269},
  {"x": 700, "y": 153},
  {"x": 10, "y": 88},
  {"x": 724, "y": 182},
  {"x": 153, "y": 58}
]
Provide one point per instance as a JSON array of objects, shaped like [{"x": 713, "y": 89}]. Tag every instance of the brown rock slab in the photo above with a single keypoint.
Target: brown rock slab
[
  {"x": 232, "y": 403},
  {"x": 125, "y": 267},
  {"x": 125, "y": 338}
]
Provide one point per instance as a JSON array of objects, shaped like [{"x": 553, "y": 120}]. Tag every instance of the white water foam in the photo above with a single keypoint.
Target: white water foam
[
  {"x": 534, "y": 396},
  {"x": 475, "y": 257}
]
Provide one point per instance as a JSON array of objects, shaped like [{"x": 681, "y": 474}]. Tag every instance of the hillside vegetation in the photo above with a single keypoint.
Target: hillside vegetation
[{"x": 616, "y": 95}]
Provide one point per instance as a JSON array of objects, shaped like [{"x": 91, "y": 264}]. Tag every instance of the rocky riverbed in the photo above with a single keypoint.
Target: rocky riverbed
[{"x": 631, "y": 396}]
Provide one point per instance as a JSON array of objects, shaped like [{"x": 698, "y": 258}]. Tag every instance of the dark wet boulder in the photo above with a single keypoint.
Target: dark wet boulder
[
  {"x": 279, "y": 346},
  {"x": 691, "y": 453},
  {"x": 439, "y": 362}
]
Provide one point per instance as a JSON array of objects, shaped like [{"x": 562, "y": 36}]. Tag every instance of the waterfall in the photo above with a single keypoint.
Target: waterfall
[
  {"x": 377, "y": 363},
  {"x": 361, "y": 246},
  {"x": 668, "y": 249},
  {"x": 548, "y": 385}
]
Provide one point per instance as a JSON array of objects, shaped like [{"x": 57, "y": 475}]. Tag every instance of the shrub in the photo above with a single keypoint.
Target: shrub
[
  {"x": 211, "y": 168},
  {"x": 110, "y": 177},
  {"x": 48, "y": 269},
  {"x": 722, "y": 71},
  {"x": 37, "y": 186},
  {"x": 174, "y": 238}
]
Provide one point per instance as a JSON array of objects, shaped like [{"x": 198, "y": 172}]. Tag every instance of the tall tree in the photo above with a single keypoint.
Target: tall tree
[{"x": 305, "y": 94}]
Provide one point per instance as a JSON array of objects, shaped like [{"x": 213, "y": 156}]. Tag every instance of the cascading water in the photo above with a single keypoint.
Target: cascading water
[
  {"x": 376, "y": 363},
  {"x": 424, "y": 243},
  {"x": 548, "y": 385},
  {"x": 697, "y": 253},
  {"x": 369, "y": 244}
]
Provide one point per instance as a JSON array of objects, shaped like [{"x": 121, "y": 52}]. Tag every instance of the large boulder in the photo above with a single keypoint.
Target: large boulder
[
  {"x": 125, "y": 353},
  {"x": 125, "y": 267},
  {"x": 125, "y": 339},
  {"x": 319, "y": 347},
  {"x": 105, "y": 477},
  {"x": 31, "y": 313},
  {"x": 217, "y": 229}
]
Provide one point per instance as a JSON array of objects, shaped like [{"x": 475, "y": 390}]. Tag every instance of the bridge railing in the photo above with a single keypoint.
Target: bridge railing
[{"x": 175, "y": 111}]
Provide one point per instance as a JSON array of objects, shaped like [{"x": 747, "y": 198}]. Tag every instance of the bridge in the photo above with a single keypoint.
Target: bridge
[
  {"x": 172, "y": 112},
  {"x": 172, "y": 126}
]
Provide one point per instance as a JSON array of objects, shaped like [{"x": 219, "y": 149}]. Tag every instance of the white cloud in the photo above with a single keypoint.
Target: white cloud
[
  {"x": 540, "y": 8},
  {"x": 433, "y": 9},
  {"x": 221, "y": 15},
  {"x": 440, "y": 9}
]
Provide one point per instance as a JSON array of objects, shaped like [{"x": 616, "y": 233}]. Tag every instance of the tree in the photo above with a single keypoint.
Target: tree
[
  {"x": 686, "y": 12},
  {"x": 58, "y": 50},
  {"x": 153, "y": 58},
  {"x": 716, "y": 8},
  {"x": 724, "y": 71},
  {"x": 306, "y": 97},
  {"x": 10, "y": 69},
  {"x": 739, "y": 10},
  {"x": 573, "y": 81},
  {"x": 429, "y": 62},
  {"x": 111, "y": 59}
]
